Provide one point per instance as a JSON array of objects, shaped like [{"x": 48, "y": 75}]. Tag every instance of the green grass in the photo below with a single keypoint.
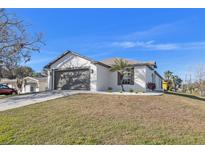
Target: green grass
[
  {"x": 3, "y": 96},
  {"x": 6, "y": 96},
  {"x": 106, "y": 119}
]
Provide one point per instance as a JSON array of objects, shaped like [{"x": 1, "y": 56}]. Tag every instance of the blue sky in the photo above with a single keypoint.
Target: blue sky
[{"x": 174, "y": 38}]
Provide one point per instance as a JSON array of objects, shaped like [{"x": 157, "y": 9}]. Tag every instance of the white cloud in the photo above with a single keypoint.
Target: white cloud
[
  {"x": 124, "y": 44},
  {"x": 152, "y": 45},
  {"x": 167, "y": 46},
  {"x": 147, "y": 45},
  {"x": 157, "y": 30}
]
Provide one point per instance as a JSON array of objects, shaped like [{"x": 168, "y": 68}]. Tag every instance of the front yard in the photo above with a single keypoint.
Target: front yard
[{"x": 106, "y": 119}]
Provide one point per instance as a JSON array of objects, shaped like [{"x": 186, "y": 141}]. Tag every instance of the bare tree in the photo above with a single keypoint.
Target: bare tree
[
  {"x": 200, "y": 78},
  {"x": 189, "y": 80},
  {"x": 15, "y": 42}
]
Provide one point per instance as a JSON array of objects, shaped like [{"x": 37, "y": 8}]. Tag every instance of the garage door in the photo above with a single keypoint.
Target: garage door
[{"x": 75, "y": 79}]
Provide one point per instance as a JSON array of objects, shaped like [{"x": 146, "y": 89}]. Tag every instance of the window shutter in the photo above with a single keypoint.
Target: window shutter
[{"x": 118, "y": 78}]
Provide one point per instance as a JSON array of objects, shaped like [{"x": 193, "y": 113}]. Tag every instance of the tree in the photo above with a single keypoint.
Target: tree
[
  {"x": 18, "y": 72},
  {"x": 121, "y": 67},
  {"x": 174, "y": 81},
  {"x": 23, "y": 71},
  {"x": 37, "y": 74},
  {"x": 19, "y": 83},
  {"x": 200, "y": 78},
  {"x": 188, "y": 86},
  {"x": 16, "y": 44},
  {"x": 177, "y": 81},
  {"x": 168, "y": 75}
]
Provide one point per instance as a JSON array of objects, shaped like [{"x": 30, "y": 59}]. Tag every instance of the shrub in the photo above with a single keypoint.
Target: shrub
[
  {"x": 109, "y": 89},
  {"x": 131, "y": 90},
  {"x": 151, "y": 86}
]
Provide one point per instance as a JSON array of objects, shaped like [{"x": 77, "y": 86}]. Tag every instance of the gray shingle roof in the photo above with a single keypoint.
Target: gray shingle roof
[
  {"x": 106, "y": 63},
  {"x": 111, "y": 61}
]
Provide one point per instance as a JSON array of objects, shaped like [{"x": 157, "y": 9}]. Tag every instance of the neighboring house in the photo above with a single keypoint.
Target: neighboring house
[
  {"x": 71, "y": 71},
  {"x": 9, "y": 82},
  {"x": 34, "y": 84}
]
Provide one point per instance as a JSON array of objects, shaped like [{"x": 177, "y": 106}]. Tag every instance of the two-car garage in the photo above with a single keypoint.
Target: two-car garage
[
  {"x": 71, "y": 71},
  {"x": 72, "y": 79}
]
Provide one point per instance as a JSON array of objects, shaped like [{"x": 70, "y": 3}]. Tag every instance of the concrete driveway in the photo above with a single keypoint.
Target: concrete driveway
[{"x": 27, "y": 99}]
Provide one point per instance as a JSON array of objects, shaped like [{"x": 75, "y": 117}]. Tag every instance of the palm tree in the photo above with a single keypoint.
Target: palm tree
[
  {"x": 168, "y": 75},
  {"x": 177, "y": 81},
  {"x": 120, "y": 66}
]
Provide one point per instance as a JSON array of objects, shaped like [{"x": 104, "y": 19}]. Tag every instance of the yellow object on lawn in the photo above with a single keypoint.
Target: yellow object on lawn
[{"x": 165, "y": 85}]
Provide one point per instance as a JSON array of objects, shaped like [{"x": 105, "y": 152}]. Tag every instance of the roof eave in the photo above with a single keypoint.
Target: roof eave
[
  {"x": 102, "y": 64},
  {"x": 56, "y": 59},
  {"x": 65, "y": 53},
  {"x": 159, "y": 75}
]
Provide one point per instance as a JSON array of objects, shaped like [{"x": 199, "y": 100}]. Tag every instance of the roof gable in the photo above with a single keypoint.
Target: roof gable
[
  {"x": 64, "y": 54},
  {"x": 36, "y": 78}
]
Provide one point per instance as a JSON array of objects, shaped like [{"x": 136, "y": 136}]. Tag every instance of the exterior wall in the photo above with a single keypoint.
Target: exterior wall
[
  {"x": 149, "y": 73},
  {"x": 43, "y": 86},
  {"x": 157, "y": 79},
  {"x": 49, "y": 79},
  {"x": 139, "y": 80},
  {"x": 158, "y": 83},
  {"x": 27, "y": 88},
  {"x": 103, "y": 77},
  {"x": 71, "y": 60}
]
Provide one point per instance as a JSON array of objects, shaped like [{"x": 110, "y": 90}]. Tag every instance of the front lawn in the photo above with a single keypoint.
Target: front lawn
[{"x": 106, "y": 119}]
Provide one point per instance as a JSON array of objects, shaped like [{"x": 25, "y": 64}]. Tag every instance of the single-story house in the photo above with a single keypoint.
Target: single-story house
[
  {"x": 72, "y": 71},
  {"x": 34, "y": 84}
]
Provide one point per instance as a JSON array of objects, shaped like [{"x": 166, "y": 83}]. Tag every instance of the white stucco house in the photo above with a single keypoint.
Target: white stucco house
[{"x": 72, "y": 71}]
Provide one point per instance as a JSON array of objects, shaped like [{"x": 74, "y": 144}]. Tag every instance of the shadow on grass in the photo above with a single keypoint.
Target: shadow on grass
[{"x": 186, "y": 95}]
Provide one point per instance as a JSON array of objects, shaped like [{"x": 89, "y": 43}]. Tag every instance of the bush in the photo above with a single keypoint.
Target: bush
[
  {"x": 131, "y": 90},
  {"x": 151, "y": 86},
  {"x": 109, "y": 89}
]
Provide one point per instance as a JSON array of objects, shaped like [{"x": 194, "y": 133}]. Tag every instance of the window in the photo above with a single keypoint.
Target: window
[
  {"x": 128, "y": 77},
  {"x": 32, "y": 89},
  {"x": 2, "y": 86}
]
